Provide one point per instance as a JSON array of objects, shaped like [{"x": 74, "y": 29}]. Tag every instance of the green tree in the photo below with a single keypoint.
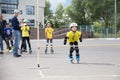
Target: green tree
[
  {"x": 47, "y": 11},
  {"x": 99, "y": 9},
  {"x": 59, "y": 11},
  {"x": 77, "y": 12}
]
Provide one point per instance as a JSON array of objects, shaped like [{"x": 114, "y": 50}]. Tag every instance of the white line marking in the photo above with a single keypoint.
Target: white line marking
[
  {"x": 41, "y": 73},
  {"x": 91, "y": 45},
  {"x": 85, "y": 76}
]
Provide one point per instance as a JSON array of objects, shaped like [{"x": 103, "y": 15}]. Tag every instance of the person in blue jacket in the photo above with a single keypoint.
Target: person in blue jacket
[
  {"x": 16, "y": 33},
  {"x": 8, "y": 36}
]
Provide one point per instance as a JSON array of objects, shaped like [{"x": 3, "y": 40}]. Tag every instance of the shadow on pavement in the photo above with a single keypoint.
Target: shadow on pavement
[{"x": 99, "y": 64}]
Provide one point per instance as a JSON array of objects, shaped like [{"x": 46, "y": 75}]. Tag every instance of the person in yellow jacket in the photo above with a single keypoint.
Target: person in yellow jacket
[
  {"x": 49, "y": 37},
  {"x": 72, "y": 37},
  {"x": 25, "y": 29}
]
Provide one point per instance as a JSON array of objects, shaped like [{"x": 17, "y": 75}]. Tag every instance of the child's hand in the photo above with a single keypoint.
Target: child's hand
[
  {"x": 80, "y": 40},
  {"x": 64, "y": 43}
]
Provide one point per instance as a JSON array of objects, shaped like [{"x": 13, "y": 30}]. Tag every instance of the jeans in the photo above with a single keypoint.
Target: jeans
[
  {"x": 1, "y": 43},
  {"x": 17, "y": 38}
]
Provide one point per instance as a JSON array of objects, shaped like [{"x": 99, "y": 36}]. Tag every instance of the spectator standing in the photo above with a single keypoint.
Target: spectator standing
[
  {"x": 2, "y": 25},
  {"x": 16, "y": 33}
]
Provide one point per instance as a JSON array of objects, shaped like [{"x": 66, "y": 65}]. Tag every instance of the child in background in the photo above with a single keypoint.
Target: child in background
[
  {"x": 49, "y": 37},
  {"x": 24, "y": 47},
  {"x": 26, "y": 35},
  {"x": 8, "y": 36},
  {"x": 73, "y": 36}
]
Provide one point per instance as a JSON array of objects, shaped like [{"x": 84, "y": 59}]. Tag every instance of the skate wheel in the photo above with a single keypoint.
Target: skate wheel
[{"x": 78, "y": 62}]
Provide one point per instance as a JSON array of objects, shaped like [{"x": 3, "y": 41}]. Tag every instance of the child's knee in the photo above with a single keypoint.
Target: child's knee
[{"x": 71, "y": 49}]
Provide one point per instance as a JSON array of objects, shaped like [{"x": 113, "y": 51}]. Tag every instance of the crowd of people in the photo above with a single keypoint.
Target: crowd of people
[
  {"x": 14, "y": 31},
  {"x": 21, "y": 31}
]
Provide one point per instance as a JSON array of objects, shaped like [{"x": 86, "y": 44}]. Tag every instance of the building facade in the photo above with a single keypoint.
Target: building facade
[{"x": 27, "y": 10}]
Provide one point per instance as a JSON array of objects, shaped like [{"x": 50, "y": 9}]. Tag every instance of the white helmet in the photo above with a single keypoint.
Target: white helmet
[
  {"x": 73, "y": 24},
  {"x": 16, "y": 11}
]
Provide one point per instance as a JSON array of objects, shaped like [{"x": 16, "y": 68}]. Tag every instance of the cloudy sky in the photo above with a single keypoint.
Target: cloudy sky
[{"x": 55, "y": 3}]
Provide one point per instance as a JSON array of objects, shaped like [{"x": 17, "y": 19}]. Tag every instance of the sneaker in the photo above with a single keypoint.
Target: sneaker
[
  {"x": 2, "y": 53},
  {"x": 24, "y": 50},
  {"x": 30, "y": 51},
  {"x": 17, "y": 55},
  {"x": 10, "y": 50},
  {"x": 7, "y": 50},
  {"x": 12, "y": 47}
]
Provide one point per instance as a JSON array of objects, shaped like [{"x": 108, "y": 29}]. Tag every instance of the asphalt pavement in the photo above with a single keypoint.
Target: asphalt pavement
[{"x": 100, "y": 60}]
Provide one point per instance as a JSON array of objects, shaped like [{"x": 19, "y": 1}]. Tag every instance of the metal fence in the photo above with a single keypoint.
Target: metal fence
[{"x": 99, "y": 32}]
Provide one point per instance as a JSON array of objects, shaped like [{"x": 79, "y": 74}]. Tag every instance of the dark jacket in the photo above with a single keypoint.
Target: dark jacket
[
  {"x": 2, "y": 26},
  {"x": 15, "y": 23}
]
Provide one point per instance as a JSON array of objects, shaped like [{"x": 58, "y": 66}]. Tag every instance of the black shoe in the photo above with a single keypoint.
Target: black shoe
[
  {"x": 30, "y": 51},
  {"x": 24, "y": 50},
  {"x": 17, "y": 55},
  {"x": 45, "y": 51},
  {"x": 1, "y": 53}
]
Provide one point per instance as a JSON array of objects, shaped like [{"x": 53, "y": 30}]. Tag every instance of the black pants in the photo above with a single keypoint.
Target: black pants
[
  {"x": 8, "y": 41},
  {"x": 24, "y": 47},
  {"x": 24, "y": 40},
  {"x": 49, "y": 40},
  {"x": 74, "y": 46}
]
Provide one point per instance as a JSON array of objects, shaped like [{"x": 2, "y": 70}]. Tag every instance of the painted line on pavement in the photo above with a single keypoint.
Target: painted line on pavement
[
  {"x": 92, "y": 45},
  {"x": 84, "y": 76},
  {"x": 41, "y": 73},
  {"x": 102, "y": 39}
]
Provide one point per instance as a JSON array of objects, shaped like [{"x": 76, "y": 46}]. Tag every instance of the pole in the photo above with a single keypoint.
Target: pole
[
  {"x": 115, "y": 19},
  {"x": 111, "y": 17},
  {"x": 65, "y": 22},
  {"x": 103, "y": 19},
  {"x": 38, "y": 43}
]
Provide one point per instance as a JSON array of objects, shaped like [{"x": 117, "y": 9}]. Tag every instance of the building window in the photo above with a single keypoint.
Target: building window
[
  {"x": 9, "y": 1},
  {"x": 30, "y": 10},
  {"x": 31, "y": 22},
  {"x": 7, "y": 8}
]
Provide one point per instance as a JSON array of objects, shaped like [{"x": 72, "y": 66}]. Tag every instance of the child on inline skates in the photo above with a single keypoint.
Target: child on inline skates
[{"x": 73, "y": 36}]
